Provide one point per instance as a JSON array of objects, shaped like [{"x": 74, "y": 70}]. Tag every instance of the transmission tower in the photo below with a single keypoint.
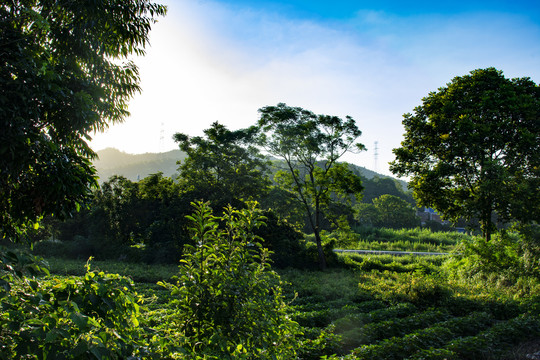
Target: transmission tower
[
  {"x": 161, "y": 137},
  {"x": 375, "y": 156}
]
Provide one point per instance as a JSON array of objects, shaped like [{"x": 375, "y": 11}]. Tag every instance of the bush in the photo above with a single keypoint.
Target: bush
[
  {"x": 94, "y": 316},
  {"x": 508, "y": 260},
  {"x": 229, "y": 303},
  {"x": 417, "y": 288},
  {"x": 284, "y": 241}
]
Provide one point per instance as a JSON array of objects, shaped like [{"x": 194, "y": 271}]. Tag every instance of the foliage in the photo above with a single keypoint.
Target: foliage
[
  {"x": 387, "y": 211},
  {"x": 391, "y": 263},
  {"x": 140, "y": 273},
  {"x": 310, "y": 145},
  {"x": 377, "y": 186},
  {"x": 286, "y": 244},
  {"x": 434, "y": 336},
  {"x": 381, "y": 326},
  {"x": 508, "y": 259},
  {"x": 377, "y": 306},
  {"x": 414, "y": 287},
  {"x": 224, "y": 167},
  {"x": 65, "y": 74},
  {"x": 114, "y": 210},
  {"x": 128, "y": 220},
  {"x": 472, "y": 149},
  {"x": 96, "y": 315},
  {"x": 280, "y": 202},
  {"x": 417, "y": 239},
  {"x": 228, "y": 301}
]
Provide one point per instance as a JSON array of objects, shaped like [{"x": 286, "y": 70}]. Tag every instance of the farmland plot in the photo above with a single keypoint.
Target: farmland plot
[{"x": 406, "y": 309}]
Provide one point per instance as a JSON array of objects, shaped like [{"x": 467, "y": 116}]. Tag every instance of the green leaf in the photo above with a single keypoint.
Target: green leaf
[{"x": 80, "y": 320}]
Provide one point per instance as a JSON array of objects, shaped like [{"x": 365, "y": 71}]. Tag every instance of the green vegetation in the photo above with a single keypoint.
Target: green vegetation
[
  {"x": 66, "y": 318},
  {"x": 310, "y": 145},
  {"x": 472, "y": 148},
  {"x": 387, "y": 211},
  {"x": 457, "y": 306},
  {"x": 418, "y": 239},
  {"x": 65, "y": 74},
  {"x": 223, "y": 300},
  {"x": 223, "y": 167},
  {"x": 227, "y": 302}
]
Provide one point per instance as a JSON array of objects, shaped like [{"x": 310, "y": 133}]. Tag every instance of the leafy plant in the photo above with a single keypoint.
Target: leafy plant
[
  {"x": 96, "y": 315},
  {"x": 228, "y": 301}
]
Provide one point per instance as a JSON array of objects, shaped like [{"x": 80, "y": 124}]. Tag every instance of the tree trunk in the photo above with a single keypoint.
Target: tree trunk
[
  {"x": 322, "y": 257},
  {"x": 487, "y": 225}
]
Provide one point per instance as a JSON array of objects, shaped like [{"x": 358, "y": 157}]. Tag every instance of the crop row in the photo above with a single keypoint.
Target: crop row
[
  {"x": 376, "y": 331},
  {"x": 432, "y": 337},
  {"x": 487, "y": 344},
  {"x": 349, "y": 319}
]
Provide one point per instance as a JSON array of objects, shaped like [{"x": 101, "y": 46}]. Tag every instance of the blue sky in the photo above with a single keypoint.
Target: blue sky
[
  {"x": 346, "y": 9},
  {"x": 223, "y": 60}
]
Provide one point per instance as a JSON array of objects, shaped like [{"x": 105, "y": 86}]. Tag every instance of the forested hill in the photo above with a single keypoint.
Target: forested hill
[{"x": 115, "y": 162}]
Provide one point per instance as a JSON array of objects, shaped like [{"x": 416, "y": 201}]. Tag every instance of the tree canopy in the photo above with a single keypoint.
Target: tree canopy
[
  {"x": 223, "y": 167},
  {"x": 64, "y": 74},
  {"x": 472, "y": 149},
  {"x": 311, "y": 145},
  {"x": 387, "y": 211}
]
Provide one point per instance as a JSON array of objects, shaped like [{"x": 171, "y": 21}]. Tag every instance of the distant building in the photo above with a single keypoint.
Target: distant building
[{"x": 428, "y": 214}]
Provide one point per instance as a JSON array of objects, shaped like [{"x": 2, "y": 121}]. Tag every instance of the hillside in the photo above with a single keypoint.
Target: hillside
[
  {"x": 115, "y": 162},
  {"x": 137, "y": 166}
]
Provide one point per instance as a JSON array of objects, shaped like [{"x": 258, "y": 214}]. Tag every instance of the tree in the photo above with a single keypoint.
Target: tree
[
  {"x": 394, "y": 212},
  {"x": 64, "y": 73},
  {"x": 222, "y": 167},
  {"x": 366, "y": 214},
  {"x": 114, "y": 211},
  {"x": 473, "y": 149},
  {"x": 387, "y": 211},
  {"x": 162, "y": 215},
  {"x": 311, "y": 145},
  {"x": 378, "y": 186}
]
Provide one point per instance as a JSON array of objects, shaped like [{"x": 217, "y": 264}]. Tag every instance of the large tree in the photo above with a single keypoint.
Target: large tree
[
  {"x": 472, "y": 149},
  {"x": 64, "y": 74},
  {"x": 310, "y": 146}
]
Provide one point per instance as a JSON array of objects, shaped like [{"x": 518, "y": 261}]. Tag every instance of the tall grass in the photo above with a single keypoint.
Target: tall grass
[
  {"x": 138, "y": 272},
  {"x": 419, "y": 239}
]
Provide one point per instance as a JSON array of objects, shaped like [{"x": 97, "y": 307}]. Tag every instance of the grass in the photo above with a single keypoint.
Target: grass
[
  {"x": 138, "y": 272},
  {"x": 423, "y": 240}
]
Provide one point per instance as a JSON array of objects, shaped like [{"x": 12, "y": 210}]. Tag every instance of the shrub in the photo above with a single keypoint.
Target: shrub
[
  {"x": 94, "y": 316},
  {"x": 508, "y": 259},
  {"x": 229, "y": 303},
  {"x": 416, "y": 287}
]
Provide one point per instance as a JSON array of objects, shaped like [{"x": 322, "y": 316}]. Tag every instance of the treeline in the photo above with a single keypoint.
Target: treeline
[{"x": 145, "y": 220}]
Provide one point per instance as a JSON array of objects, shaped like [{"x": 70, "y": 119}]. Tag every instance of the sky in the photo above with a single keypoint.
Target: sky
[{"x": 222, "y": 60}]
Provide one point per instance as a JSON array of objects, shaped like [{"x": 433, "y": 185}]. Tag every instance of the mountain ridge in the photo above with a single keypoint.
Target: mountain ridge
[
  {"x": 134, "y": 167},
  {"x": 112, "y": 161}
]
